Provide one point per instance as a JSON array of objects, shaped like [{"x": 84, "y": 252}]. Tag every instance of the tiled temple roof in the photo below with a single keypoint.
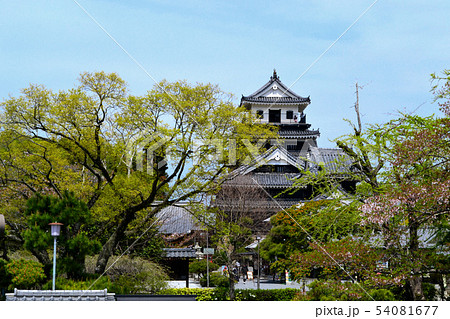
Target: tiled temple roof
[
  {"x": 334, "y": 160},
  {"x": 272, "y": 205},
  {"x": 179, "y": 253},
  {"x": 275, "y": 100},
  {"x": 175, "y": 219},
  {"x": 298, "y": 133},
  {"x": 275, "y": 180},
  {"x": 289, "y": 96}
]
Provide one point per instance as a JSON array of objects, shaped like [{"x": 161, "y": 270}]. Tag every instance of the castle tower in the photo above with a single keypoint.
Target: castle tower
[
  {"x": 267, "y": 184},
  {"x": 274, "y": 103}
]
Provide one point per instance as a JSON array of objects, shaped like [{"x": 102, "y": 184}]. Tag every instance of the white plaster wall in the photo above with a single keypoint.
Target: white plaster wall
[{"x": 284, "y": 109}]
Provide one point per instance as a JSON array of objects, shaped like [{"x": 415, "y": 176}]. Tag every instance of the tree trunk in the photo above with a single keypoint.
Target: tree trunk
[
  {"x": 232, "y": 292},
  {"x": 109, "y": 247},
  {"x": 415, "y": 280},
  {"x": 415, "y": 283},
  {"x": 3, "y": 248}
]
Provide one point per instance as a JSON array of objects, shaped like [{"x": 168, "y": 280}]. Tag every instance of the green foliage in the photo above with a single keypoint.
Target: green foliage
[
  {"x": 91, "y": 284},
  {"x": 126, "y": 276},
  {"x": 5, "y": 276},
  {"x": 429, "y": 291},
  {"x": 323, "y": 220},
  {"x": 328, "y": 290},
  {"x": 200, "y": 267},
  {"x": 215, "y": 280},
  {"x": 217, "y": 294},
  {"x": 221, "y": 294},
  {"x": 88, "y": 140},
  {"x": 26, "y": 274},
  {"x": 382, "y": 294},
  {"x": 74, "y": 243},
  {"x": 353, "y": 256},
  {"x": 118, "y": 286},
  {"x": 137, "y": 275},
  {"x": 332, "y": 290},
  {"x": 286, "y": 294}
]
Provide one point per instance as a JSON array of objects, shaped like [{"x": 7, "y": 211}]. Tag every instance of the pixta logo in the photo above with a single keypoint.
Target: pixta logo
[
  {"x": 148, "y": 152},
  {"x": 145, "y": 152}
]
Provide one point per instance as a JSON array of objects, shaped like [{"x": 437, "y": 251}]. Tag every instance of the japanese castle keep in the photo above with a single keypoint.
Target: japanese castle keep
[{"x": 275, "y": 170}]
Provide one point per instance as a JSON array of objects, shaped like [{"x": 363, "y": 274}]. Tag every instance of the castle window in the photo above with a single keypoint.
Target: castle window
[
  {"x": 289, "y": 115},
  {"x": 260, "y": 114},
  {"x": 274, "y": 116}
]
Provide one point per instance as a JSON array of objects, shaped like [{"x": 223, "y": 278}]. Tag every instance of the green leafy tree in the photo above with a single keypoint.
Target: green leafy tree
[
  {"x": 200, "y": 267},
  {"x": 234, "y": 207},
  {"x": 403, "y": 192},
  {"x": 126, "y": 156},
  {"x": 297, "y": 228},
  {"x": 74, "y": 243}
]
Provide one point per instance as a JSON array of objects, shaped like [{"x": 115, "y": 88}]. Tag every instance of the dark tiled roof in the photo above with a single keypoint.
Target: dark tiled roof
[
  {"x": 175, "y": 219},
  {"x": 271, "y": 205},
  {"x": 334, "y": 160},
  {"x": 427, "y": 239},
  {"x": 267, "y": 180},
  {"x": 298, "y": 133},
  {"x": 262, "y": 158},
  {"x": 179, "y": 252},
  {"x": 275, "y": 79},
  {"x": 275, "y": 100},
  {"x": 275, "y": 180},
  {"x": 60, "y": 295}
]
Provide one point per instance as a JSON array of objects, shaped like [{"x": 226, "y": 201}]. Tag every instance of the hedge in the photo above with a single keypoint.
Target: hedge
[{"x": 221, "y": 294}]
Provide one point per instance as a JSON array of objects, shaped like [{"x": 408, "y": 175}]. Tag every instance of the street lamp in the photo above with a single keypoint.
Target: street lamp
[
  {"x": 199, "y": 254},
  {"x": 207, "y": 260},
  {"x": 259, "y": 264},
  {"x": 55, "y": 229},
  {"x": 2, "y": 224}
]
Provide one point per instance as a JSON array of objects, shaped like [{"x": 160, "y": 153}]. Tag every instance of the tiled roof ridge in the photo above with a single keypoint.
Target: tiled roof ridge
[{"x": 275, "y": 79}]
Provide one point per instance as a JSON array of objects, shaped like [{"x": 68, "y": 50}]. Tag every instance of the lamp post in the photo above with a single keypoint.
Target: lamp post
[
  {"x": 259, "y": 265},
  {"x": 55, "y": 229},
  {"x": 2, "y": 224},
  {"x": 207, "y": 260},
  {"x": 198, "y": 253},
  {"x": 2, "y": 232}
]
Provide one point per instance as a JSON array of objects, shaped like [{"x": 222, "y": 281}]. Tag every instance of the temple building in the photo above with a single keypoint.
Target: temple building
[{"x": 267, "y": 185}]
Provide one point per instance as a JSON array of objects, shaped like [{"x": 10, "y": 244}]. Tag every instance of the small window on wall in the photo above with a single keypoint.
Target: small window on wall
[
  {"x": 289, "y": 115},
  {"x": 260, "y": 114}
]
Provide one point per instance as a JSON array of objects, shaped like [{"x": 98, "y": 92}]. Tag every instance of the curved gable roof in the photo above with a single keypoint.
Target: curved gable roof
[{"x": 275, "y": 91}]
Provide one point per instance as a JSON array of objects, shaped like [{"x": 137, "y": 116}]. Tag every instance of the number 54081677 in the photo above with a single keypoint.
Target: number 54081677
[{"x": 407, "y": 310}]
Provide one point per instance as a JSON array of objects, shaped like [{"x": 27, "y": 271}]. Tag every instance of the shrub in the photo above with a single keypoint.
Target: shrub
[
  {"x": 136, "y": 275},
  {"x": 70, "y": 284},
  {"x": 382, "y": 295},
  {"x": 286, "y": 294},
  {"x": 221, "y": 294},
  {"x": 131, "y": 275},
  {"x": 215, "y": 280},
  {"x": 329, "y": 290},
  {"x": 217, "y": 294},
  {"x": 429, "y": 291},
  {"x": 25, "y": 274},
  {"x": 199, "y": 267},
  {"x": 5, "y": 278}
]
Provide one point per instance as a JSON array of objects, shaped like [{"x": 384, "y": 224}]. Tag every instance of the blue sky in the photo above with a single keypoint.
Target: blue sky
[{"x": 391, "y": 50}]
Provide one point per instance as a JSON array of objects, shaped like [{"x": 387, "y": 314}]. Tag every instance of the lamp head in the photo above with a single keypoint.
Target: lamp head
[{"x": 55, "y": 229}]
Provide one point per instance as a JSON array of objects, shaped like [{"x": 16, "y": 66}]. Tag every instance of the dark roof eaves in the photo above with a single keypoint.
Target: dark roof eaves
[{"x": 276, "y": 100}]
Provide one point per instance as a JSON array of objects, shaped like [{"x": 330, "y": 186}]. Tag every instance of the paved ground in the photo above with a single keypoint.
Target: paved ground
[{"x": 264, "y": 284}]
